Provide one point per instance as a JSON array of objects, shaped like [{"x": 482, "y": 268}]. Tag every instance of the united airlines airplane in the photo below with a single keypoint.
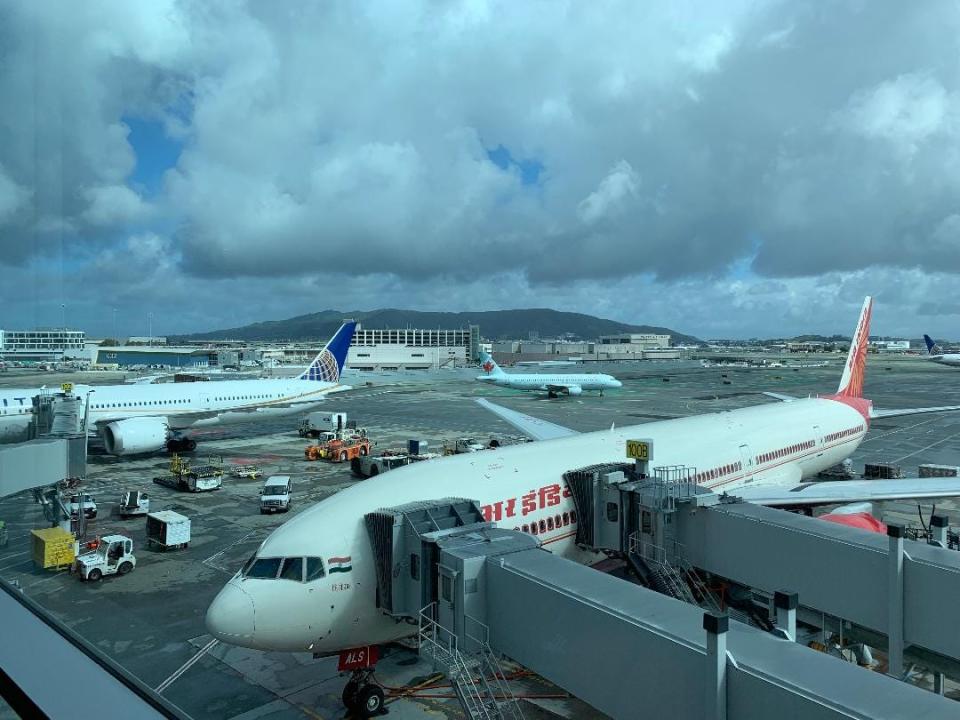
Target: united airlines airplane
[
  {"x": 311, "y": 586},
  {"x": 935, "y": 354},
  {"x": 551, "y": 383},
  {"x": 134, "y": 419}
]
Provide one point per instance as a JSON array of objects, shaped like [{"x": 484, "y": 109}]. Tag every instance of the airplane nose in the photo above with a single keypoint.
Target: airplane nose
[
  {"x": 230, "y": 615},
  {"x": 617, "y": 383}
]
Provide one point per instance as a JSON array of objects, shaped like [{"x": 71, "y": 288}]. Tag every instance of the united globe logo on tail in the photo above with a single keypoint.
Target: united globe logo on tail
[{"x": 328, "y": 365}]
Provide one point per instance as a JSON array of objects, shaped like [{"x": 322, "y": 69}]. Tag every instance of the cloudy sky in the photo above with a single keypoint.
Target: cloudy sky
[{"x": 734, "y": 169}]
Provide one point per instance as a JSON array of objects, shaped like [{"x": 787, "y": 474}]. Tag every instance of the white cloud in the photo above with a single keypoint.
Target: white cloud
[
  {"x": 706, "y": 54},
  {"x": 620, "y": 184},
  {"x": 114, "y": 205},
  {"x": 12, "y": 196}
]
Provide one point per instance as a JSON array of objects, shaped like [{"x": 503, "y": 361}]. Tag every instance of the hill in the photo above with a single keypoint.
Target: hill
[{"x": 494, "y": 325}]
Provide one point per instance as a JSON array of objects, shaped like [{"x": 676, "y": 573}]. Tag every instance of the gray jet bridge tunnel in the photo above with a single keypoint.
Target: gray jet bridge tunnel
[{"x": 479, "y": 592}]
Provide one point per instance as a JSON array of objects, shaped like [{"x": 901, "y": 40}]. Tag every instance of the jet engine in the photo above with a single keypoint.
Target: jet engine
[
  {"x": 574, "y": 390},
  {"x": 135, "y": 435}
]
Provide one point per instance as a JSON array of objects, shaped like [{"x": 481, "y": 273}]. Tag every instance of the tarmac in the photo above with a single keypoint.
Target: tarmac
[{"x": 151, "y": 621}]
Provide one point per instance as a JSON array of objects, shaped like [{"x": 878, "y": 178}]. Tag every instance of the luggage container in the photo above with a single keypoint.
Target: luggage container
[
  {"x": 53, "y": 548},
  {"x": 929, "y": 470},
  {"x": 168, "y": 530}
]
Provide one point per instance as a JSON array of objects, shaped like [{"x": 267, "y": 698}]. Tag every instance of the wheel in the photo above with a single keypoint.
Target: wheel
[
  {"x": 94, "y": 575},
  {"x": 125, "y": 567},
  {"x": 349, "y": 695},
  {"x": 374, "y": 470},
  {"x": 191, "y": 445},
  {"x": 369, "y": 701},
  {"x": 363, "y": 450},
  {"x": 343, "y": 456}
]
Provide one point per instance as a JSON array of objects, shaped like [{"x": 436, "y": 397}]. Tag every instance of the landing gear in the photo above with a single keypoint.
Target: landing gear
[
  {"x": 361, "y": 696},
  {"x": 179, "y": 443}
]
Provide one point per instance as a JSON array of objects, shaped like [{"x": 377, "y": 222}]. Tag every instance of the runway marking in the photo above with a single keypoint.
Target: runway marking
[
  {"x": 186, "y": 666},
  {"x": 915, "y": 452},
  {"x": 211, "y": 561}
]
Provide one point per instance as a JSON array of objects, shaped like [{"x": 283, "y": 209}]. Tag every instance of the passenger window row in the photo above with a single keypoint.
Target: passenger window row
[
  {"x": 551, "y": 523},
  {"x": 844, "y": 433},
  {"x": 718, "y": 472},
  {"x": 786, "y": 452},
  {"x": 298, "y": 569}
]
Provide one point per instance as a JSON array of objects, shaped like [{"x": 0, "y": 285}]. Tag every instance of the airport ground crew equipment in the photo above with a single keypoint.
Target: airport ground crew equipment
[
  {"x": 52, "y": 548},
  {"x": 168, "y": 530},
  {"x": 134, "y": 503},
  {"x": 113, "y": 555},
  {"x": 346, "y": 450},
  {"x": 184, "y": 476},
  {"x": 251, "y": 472}
]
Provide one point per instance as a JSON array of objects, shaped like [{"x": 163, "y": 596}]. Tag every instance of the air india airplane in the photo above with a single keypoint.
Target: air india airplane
[{"x": 311, "y": 586}]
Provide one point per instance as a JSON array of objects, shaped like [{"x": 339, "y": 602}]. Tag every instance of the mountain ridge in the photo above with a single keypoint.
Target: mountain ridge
[{"x": 515, "y": 324}]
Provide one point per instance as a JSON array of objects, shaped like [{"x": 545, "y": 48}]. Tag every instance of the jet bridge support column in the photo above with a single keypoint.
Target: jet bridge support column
[
  {"x": 786, "y": 605},
  {"x": 895, "y": 601},
  {"x": 715, "y": 701},
  {"x": 938, "y": 530}
]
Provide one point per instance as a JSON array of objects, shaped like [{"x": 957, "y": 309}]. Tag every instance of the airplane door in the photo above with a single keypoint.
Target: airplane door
[
  {"x": 817, "y": 439},
  {"x": 205, "y": 401},
  {"x": 746, "y": 459}
]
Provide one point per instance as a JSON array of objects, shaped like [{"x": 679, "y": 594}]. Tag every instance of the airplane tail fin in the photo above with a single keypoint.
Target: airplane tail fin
[
  {"x": 931, "y": 345},
  {"x": 851, "y": 384},
  {"x": 328, "y": 365},
  {"x": 489, "y": 366}
]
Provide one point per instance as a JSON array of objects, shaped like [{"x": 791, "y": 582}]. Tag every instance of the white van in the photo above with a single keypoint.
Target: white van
[{"x": 275, "y": 496}]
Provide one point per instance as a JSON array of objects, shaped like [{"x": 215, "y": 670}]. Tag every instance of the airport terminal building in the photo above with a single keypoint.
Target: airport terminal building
[{"x": 44, "y": 344}]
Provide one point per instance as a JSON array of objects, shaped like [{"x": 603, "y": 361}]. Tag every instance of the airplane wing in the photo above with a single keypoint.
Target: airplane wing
[
  {"x": 781, "y": 397},
  {"x": 534, "y": 427},
  {"x": 848, "y": 491},
  {"x": 876, "y": 414}
]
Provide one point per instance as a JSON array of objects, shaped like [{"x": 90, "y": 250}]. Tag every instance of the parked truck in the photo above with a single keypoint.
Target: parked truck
[
  {"x": 168, "y": 530},
  {"x": 316, "y": 423},
  {"x": 134, "y": 503}
]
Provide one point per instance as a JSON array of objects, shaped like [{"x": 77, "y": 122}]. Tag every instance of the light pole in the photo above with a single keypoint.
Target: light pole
[
  {"x": 150, "y": 326},
  {"x": 116, "y": 340}
]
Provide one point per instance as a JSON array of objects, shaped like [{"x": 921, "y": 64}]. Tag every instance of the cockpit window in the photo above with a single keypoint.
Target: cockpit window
[
  {"x": 314, "y": 568},
  {"x": 247, "y": 564},
  {"x": 292, "y": 569},
  {"x": 264, "y": 568}
]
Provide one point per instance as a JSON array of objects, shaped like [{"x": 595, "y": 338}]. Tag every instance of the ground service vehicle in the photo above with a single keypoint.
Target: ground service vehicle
[
  {"x": 112, "y": 556},
  {"x": 84, "y": 500},
  {"x": 168, "y": 530},
  {"x": 275, "y": 495},
  {"x": 134, "y": 503},
  {"x": 345, "y": 450},
  {"x": 183, "y": 476},
  {"x": 316, "y": 423}
]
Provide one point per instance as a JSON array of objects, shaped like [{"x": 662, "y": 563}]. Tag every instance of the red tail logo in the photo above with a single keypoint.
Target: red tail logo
[
  {"x": 488, "y": 366},
  {"x": 855, "y": 370}
]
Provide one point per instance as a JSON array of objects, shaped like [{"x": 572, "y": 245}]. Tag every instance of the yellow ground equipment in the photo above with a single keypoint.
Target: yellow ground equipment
[{"x": 52, "y": 548}]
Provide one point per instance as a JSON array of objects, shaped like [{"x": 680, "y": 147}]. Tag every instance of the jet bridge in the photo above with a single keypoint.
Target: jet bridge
[{"x": 484, "y": 592}]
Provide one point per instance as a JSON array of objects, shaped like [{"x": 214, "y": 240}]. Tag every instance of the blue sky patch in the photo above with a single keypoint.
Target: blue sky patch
[
  {"x": 529, "y": 169},
  {"x": 156, "y": 153}
]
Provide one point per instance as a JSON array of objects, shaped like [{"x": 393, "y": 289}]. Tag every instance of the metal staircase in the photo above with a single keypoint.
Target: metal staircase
[
  {"x": 672, "y": 575},
  {"x": 477, "y": 678}
]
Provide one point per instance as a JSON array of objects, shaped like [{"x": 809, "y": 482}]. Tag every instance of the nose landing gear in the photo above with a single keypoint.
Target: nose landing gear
[{"x": 361, "y": 696}]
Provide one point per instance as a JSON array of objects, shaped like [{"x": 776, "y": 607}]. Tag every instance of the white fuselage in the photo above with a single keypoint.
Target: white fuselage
[
  {"x": 545, "y": 381},
  {"x": 16, "y": 411},
  {"x": 947, "y": 359},
  {"x": 183, "y": 405},
  {"x": 519, "y": 487}
]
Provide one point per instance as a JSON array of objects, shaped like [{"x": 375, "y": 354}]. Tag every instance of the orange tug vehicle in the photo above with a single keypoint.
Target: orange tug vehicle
[{"x": 339, "y": 451}]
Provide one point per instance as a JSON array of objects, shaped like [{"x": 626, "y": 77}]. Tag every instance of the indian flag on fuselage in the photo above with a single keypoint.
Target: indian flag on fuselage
[{"x": 339, "y": 564}]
